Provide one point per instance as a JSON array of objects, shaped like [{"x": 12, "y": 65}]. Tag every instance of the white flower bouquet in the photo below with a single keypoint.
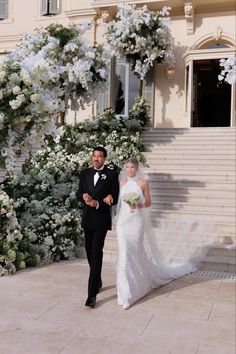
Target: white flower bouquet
[{"x": 131, "y": 199}]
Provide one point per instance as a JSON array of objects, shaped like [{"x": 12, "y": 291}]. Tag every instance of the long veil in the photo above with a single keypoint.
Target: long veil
[{"x": 175, "y": 252}]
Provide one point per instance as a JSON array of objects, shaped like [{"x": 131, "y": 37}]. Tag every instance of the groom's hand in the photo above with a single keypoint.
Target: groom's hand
[
  {"x": 87, "y": 198},
  {"x": 93, "y": 203}
]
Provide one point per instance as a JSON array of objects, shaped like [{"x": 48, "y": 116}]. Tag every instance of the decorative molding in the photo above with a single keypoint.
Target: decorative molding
[
  {"x": 208, "y": 38},
  {"x": 81, "y": 12},
  {"x": 218, "y": 33},
  {"x": 7, "y": 43},
  {"x": 189, "y": 16},
  {"x": 200, "y": 54}
]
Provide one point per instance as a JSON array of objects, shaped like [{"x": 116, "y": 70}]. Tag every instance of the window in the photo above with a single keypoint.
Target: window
[
  {"x": 3, "y": 9},
  {"x": 126, "y": 88},
  {"x": 50, "y": 7},
  {"x": 123, "y": 88}
]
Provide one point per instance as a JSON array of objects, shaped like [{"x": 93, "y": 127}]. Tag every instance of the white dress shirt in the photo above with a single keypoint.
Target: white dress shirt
[{"x": 96, "y": 176}]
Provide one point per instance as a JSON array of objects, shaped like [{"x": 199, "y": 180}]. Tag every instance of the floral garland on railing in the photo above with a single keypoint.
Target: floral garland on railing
[
  {"x": 40, "y": 216},
  {"x": 141, "y": 36},
  {"x": 228, "y": 72},
  {"x": 52, "y": 69}
]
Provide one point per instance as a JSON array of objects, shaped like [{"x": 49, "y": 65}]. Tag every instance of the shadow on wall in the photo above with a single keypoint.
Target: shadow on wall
[{"x": 173, "y": 87}]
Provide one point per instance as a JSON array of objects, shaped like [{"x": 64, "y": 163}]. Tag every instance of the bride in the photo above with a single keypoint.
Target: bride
[{"x": 141, "y": 265}]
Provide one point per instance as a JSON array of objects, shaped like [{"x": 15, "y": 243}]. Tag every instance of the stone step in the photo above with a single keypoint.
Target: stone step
[
  {"x": 189, "y": 164},
  {"x": 190, "y": 176},
  {"x": 155, "y": 144},
  {"x": 205, "y": 199},
  {"x": 186, "y": 137},
  {"x": 195, "y": 154},
  {"x": 219, "y": 258},
  {"x": 188, "y": 185},
  {"x": 208, "y": 167},
  {"x": 197, "y": 130},
  {"x": 218, "y": 240},
  {"x": 174, "y": 158},
  {"x": 193, "y": 215},
  {"x": 109, "y": 257},
  {"x": 190, "y": 192},
  {"x": 182, "y": 206}
]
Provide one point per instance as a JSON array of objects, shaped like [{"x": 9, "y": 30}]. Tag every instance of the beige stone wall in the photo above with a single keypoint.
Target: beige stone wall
[{"x": 170, "y": 95}]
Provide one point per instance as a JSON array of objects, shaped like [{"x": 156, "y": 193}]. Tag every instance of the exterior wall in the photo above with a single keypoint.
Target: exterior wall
[{"x": 170, "y": 95}]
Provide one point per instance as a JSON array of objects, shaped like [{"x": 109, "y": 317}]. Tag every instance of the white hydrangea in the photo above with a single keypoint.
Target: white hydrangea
[
  {"x": 45, "y": 82},
  {"x": 228, "y": 72},
  {"x": 141, "y": 36}
]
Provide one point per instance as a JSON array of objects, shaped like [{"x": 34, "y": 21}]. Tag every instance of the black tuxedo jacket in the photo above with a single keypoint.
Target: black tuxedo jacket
[{"x": 92, "y": 218}]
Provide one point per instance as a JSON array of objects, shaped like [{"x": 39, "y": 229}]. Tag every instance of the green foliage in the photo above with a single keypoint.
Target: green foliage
[
  {"x": 40, "y": 214},
  {"x": 64, "y": 34}
]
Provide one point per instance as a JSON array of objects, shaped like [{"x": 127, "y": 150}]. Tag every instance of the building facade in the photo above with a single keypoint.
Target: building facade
[{"x": 186, "y": 95}]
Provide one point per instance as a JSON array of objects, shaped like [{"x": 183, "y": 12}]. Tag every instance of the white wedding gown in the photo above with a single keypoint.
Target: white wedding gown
[{"x": 138, "y": 270}]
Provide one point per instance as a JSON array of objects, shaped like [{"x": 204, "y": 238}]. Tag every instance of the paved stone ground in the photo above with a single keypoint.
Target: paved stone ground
[{"x": 42, "y": 312}]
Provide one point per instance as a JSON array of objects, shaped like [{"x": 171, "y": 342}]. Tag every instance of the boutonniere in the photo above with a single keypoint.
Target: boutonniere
[{"x": 103, "y": 176}]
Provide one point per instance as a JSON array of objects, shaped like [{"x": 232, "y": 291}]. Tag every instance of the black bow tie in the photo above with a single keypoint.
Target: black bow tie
[{"x": 97, "y": 171}]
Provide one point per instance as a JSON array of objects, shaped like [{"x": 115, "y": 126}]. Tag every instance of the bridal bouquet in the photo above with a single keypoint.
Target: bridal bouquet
[{"x": 131, "y": 198}]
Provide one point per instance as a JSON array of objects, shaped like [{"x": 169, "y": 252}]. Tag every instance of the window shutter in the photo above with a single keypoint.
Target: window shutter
[
  {"x": 44, "y": 7},
  {"x": 54, "y": 7},
  {"x": 3, "y": 9},
  {"x": 149, "y": 90}
]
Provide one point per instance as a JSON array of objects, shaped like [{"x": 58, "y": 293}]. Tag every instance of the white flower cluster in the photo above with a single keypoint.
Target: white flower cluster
[
  {"x": 228, "y": 72},
  {"x": 7, "y": 211},
  {"x": 42, "y": 221},
  {"x": 45, "y": 75},
  {"x": 131, "y": 198},
  {"x": 141, "y": 36}
]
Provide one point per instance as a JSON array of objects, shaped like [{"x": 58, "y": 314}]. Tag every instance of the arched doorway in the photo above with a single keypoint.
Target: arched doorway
[{"x": 209, "y": 102}]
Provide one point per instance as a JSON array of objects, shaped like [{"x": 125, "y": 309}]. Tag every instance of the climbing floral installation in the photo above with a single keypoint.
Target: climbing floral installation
[
  {"x": 228, "y": 72},
  {"x": 52, "y": 69},
  {"x": 40, "y": 214},
  {"x": 141, "y": 36}
]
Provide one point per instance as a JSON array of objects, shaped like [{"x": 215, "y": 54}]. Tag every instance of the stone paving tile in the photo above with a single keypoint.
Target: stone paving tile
[
  {"x": 208, "y": 349},
  {"x": 42, "y": 312},
  {"x": 201, "y": 332}
]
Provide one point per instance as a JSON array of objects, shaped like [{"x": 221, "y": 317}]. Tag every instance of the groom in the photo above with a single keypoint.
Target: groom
[{"x": 96, "y": 183}]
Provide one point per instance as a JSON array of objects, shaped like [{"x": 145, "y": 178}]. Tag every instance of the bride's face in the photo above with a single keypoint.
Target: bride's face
[{"x": 131, "y": 169}]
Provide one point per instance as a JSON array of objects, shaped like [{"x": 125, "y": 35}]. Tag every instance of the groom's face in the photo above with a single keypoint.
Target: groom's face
[{"x": 98, "y": 159}]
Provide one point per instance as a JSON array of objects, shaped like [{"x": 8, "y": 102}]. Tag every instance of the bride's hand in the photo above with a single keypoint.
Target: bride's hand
[{"x": 108, "y": 200}]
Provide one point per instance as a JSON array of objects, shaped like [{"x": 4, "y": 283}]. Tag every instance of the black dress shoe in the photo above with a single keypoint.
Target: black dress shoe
[{"x": 91, "y": 302}]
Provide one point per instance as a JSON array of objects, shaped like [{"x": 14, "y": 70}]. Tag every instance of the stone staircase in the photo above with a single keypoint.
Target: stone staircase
[{"x": 192, "y": 178}]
